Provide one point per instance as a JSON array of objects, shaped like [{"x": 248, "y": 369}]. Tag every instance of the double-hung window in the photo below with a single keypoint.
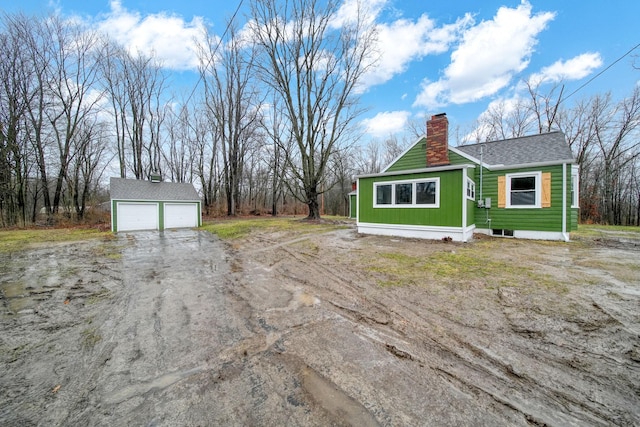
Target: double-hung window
[
  {"x": 418, "y": 193},
  {"x": 524, "y": 190},
  {"x": 471, "y": 189}
]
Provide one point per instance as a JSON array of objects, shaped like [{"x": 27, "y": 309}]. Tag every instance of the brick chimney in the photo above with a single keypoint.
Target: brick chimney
[{"x": 438, "y": 140}]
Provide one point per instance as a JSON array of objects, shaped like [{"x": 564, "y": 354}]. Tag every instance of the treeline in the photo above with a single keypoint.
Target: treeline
[
  {"x": 76, "y": 107},
  {"x": 256, "y": 135}
]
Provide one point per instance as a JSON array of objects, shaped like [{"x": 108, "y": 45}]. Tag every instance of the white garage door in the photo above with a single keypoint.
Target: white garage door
[
  {"x": 137, "y": 216},
  {"x": 180, "y": 215}
]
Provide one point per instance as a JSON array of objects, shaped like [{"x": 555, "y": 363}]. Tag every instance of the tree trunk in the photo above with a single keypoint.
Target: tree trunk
[{"x": 312, "y": 203}]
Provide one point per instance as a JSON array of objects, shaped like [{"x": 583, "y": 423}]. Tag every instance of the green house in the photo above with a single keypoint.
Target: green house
[{"x": 523, "y": 187}]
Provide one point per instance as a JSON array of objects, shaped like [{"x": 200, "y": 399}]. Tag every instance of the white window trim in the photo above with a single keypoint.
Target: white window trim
[
  {"x": 473, "y": 183},
  {"x": 413, "y": 196},
  {"x": 538, "y": 197},
  {"x": 575, "y": 178}
]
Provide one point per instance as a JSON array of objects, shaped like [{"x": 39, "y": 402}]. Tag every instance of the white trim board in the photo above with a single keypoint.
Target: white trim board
[
  {"x": 530, "y": 234},
  {"x": 458, "y": 234}
]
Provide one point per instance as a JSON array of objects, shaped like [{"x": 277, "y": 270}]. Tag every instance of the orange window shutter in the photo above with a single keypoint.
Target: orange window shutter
[
  {"x": 502, "y": 191},
  {"x": 546, "y": 190}
]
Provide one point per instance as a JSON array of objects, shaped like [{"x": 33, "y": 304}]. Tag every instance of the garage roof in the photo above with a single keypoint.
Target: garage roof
[{"x": 137, "y": 189}]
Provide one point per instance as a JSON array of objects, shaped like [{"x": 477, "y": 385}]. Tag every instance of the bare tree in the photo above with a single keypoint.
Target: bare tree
[
  {"x": 73, "y": 75},
  {"x": 90, "y": 148},
  {"x": 313, "y": 63},
  {"x": 232, "y": 98},
  {"x": 544, "y": 107},
  {"x": 281, "y": 143},
  {"x": 617, "y": 138},
  {"x": 136, "y": 86},
  {"x": 15, "y": 157}
]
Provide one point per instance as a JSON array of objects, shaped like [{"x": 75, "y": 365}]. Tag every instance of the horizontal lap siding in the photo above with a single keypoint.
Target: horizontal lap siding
[
  {"x": 449, "y": 213},
  {"x": 414, "y": 158},
  {"x": 574, "y": 218},
  {"x": 538, "y": 219}
]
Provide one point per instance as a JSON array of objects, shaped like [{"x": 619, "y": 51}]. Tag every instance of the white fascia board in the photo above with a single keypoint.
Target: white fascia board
[
  {"x": 156, "y": 200},
  {"x": 530, "y": 165},
  {"x": 421, "y": 170},
  {"x": 465, "y": 155}
]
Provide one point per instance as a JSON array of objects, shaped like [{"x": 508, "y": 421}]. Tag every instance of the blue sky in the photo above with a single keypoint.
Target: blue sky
[{"x": 436, "y": 56}]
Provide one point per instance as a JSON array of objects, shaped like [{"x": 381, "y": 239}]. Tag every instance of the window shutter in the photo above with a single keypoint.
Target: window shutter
[
  {"x": 546, "y": 189},
  {"x": 502, "y": 191}
]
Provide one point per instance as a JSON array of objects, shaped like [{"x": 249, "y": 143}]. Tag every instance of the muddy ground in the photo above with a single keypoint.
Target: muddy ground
[{"x": 332, "y": 328}]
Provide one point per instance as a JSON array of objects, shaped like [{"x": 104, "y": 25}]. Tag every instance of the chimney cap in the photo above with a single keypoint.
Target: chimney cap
[{"x": 439, "y": 115}]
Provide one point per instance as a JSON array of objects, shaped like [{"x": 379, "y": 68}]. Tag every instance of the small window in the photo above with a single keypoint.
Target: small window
[
  {"x": 523, "y": 190},
  {"x": 471, "y": 189},
  {"x": 383, "y": 194}
]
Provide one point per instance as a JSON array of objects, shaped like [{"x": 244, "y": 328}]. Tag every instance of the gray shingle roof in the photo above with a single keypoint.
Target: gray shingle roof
[
  {"x": 137, "y": 189},
  {"x": 542, "y": 148}
]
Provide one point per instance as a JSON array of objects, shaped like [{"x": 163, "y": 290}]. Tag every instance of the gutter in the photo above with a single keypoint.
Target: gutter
[{"x": 530, "y": 165}]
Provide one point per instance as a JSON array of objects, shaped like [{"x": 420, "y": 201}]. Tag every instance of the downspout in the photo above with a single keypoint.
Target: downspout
[
  {"x": 481, "y": 163},
  {"x": 482, "y": 201},
  {"x": 565, "y": 235}
]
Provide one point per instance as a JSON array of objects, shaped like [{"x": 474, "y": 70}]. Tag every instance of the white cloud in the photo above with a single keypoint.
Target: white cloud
[
  {"x": 169, "y": 37},
  {"x": 487, "y": 58},
  {"x": 572, "y": 69},
  {"x": 386, "y": 123},
  {"x": 352, "y": 10},
  {"x": 402, "y": 41}
]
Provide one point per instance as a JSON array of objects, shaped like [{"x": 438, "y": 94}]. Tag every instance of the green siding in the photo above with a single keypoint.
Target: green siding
[
  {"x": 456, "y": 159},
  {"x": 414, "y": 158},
  {"x": 574, "y": 219},
  {"x": 537, "y": 219},
  {"x": 449, "y": 214},
  {"x": 353, "y": 207}
]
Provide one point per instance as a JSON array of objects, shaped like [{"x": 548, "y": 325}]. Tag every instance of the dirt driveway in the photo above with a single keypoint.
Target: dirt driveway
[{"x": 329, "y": 328}]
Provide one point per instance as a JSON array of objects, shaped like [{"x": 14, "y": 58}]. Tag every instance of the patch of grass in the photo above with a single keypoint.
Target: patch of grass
[
  {"x": 108, "y": 250},
  {"x": 461, "y": 267},
  {"x": 16, "y": 240},
  {"x": 589, "y": 231},
  {"x": 230, "y": 229}
]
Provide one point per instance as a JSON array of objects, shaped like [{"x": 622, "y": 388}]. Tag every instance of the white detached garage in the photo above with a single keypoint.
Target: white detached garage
[{"x": 147, "y": 205}]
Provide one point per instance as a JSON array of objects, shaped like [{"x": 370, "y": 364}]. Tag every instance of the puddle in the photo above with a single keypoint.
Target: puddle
[
  {"x": 22, "y": 299},
  {"x": 335, "y": 401}
]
